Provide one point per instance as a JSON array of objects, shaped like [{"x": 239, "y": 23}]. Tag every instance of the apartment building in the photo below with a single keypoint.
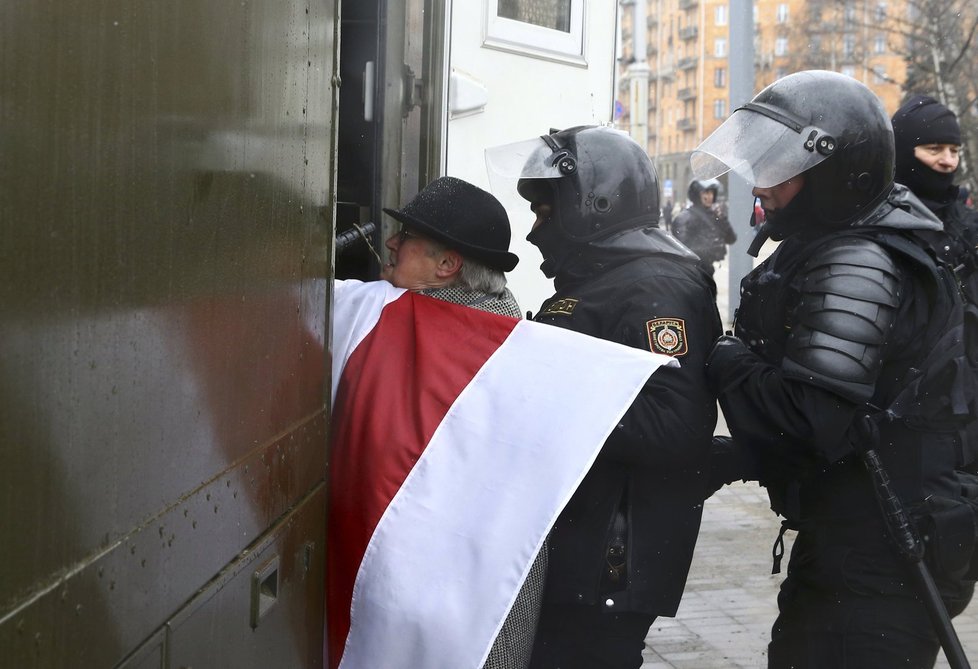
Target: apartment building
[{"x": 686, "y": 48}]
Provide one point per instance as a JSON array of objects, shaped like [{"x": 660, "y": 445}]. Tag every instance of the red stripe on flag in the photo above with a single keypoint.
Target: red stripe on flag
[{"x": 394, "y": 392}]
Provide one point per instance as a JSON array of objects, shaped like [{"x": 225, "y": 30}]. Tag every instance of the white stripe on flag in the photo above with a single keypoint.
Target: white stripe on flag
[
  {"x": 451, "y": 551},
  {"x": 356, "y": 308}
]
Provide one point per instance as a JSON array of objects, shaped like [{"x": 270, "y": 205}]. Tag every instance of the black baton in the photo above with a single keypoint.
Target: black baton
[
  {"x": 345, "y": 240},
  {"x": 910, "y": 547}
]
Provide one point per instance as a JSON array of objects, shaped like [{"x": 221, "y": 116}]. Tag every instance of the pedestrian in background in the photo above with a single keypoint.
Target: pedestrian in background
[
  {"x": 847, "y": 339},
  {"x": 621, "y": 549}
]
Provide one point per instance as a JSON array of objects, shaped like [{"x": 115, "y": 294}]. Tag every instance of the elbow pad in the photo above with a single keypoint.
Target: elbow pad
[{"x": 849, "y": 294}]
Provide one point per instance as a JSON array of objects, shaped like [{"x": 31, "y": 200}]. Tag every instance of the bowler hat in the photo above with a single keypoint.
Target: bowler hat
[{"x": 464, "y": 218}]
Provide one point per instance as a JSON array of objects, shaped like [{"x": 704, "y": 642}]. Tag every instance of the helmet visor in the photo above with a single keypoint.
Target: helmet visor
[
  {"x": 527, "y": 159},
  {"x": 763, "y": 151}
]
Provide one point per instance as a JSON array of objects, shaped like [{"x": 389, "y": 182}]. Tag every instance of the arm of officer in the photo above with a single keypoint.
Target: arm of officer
[
  {"x": 672, "y": 420},
  {"x": 832, "y": 358}
]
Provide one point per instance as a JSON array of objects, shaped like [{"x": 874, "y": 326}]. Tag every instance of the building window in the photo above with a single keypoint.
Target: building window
[
  {"x": 720, "y": 15},
  {"x": 849, "y": 71},
  {"x": 848, "y": 45},
  {"x": 720, "y": 47},
  {"x": 849, "y": 14},
  {"x": 720, "y": 77},
  {"x": 548, "y": 28},
  {"x": 782, "y": 14},
  {"x": 720, "y": 108},
  {"x": 781, "y": 46},
  {"x": 879, "y": 44},
  {"x": 880, "y": 12}
]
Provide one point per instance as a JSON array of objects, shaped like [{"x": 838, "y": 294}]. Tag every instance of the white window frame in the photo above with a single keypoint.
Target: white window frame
[
  {"x": 536, "y": 41},
  {"x": 720, "y": 15},
  {"x": 781, "y": 46},
  {"x": 720, "y": 47},
  {"x": 781, "y": 13}
]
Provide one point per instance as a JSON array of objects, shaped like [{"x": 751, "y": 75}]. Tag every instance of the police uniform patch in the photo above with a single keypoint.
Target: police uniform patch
[
  {"x": 667, "y": 335},
  {"x": 564, "y": 307}
]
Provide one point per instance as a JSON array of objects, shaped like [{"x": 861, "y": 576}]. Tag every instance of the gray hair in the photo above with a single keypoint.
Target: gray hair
[
  {"x": 474, "y": 275},
  {"x": 477, "y": 277}
]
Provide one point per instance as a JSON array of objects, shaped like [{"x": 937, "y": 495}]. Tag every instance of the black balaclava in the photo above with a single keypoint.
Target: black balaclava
[{"x": 924, "y": 120}]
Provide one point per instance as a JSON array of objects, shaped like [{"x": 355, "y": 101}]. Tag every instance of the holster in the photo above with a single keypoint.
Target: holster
[{"x": 949, "y": 528}]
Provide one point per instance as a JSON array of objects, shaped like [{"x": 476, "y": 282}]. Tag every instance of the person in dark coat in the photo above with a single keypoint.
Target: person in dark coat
[
  {"x": 703, "y": 226},
  {"x": 927, "y": 140},
  {"x": 848, "y": 338},
  {"x": 621, "y": 549}
]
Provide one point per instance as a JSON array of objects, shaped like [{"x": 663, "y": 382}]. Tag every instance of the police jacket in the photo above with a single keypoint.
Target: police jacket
[
  {"x": 704, "y": 232},
  {"x": 642, "y": 289},
  {"x": 838, "y": 323}
]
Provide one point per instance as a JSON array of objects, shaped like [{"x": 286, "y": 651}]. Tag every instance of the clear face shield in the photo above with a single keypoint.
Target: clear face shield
[
  {"x": 763, "y": 145},
  {"x": 511, "y": 165},
  {"x": 537, "y": 158}
]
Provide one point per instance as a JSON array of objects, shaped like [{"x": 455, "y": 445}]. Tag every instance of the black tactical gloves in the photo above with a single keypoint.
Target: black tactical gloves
[{"x": 728, "y": 362}]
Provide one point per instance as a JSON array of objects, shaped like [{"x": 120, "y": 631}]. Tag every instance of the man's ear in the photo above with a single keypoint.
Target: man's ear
[{"x": 449, "y": 264}]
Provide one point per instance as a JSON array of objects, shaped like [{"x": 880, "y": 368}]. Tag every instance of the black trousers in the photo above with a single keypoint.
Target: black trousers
[
  {"x": 817, "y": 630},
  {"x": 581, "y": 636}
]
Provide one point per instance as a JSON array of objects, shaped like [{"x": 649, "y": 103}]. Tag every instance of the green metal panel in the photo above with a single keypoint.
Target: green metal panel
[{"x": 165, "y": 243}]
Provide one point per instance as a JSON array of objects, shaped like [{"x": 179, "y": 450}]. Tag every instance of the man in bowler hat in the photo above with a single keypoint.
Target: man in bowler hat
[{"x": 453, "y": 245}]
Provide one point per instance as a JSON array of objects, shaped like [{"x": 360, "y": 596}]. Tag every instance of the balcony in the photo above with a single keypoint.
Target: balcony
[
  {"x": 686, "y": 124},
  {"x": 687, "y": 63},
  {"x": 688, "y": 4},
  {"x": 686, "y": 94},
  {"x": 688, "y": 33},
  {"x": 667, "y": 74}
]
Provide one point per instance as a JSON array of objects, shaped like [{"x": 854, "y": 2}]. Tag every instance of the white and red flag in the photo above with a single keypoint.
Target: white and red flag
[{"x": 457, "y": 438}]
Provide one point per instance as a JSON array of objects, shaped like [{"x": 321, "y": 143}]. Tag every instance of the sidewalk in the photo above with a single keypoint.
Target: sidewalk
[{"x": 730, "y": 600}]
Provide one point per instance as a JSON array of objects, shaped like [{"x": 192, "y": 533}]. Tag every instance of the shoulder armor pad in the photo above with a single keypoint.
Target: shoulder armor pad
[{"x": 849, "y": 294}]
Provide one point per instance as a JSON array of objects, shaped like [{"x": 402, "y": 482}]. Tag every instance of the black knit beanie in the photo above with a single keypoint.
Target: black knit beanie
[{"x": 923, "y": 120}]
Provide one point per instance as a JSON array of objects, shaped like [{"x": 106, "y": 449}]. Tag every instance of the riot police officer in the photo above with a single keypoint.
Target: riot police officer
[
  {"x": 848, "y": 318},
  {"x": 703, "y": 226},
  {"x": 621, "y": 549}
]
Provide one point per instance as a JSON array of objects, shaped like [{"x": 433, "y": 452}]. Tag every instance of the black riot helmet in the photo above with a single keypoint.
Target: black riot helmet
[
  {"x": 598, "y": 180},
  {"x": 698, "y": 186},
  {"x": 825, "y": 124}
]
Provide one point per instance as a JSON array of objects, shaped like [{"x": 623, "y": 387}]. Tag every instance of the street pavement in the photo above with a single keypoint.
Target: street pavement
[
  {"x": 726, "y": 612},
  {"x": 729, "y": 604}
]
